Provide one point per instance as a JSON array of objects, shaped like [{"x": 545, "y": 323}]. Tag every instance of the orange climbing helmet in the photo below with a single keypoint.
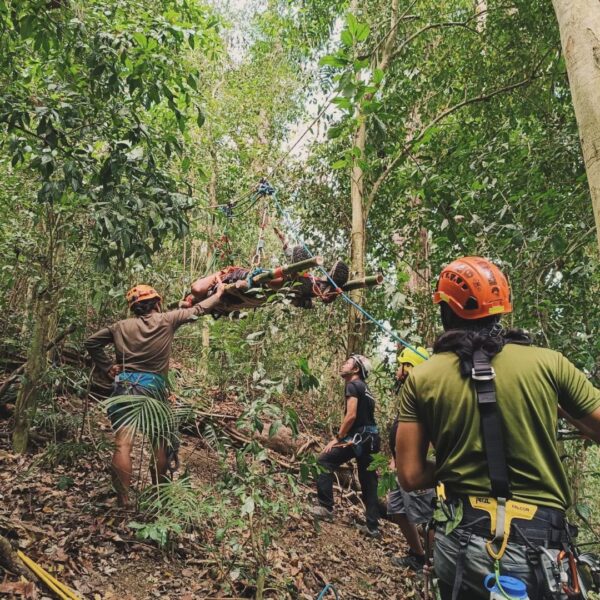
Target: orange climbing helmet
[
  {"x": 473, "y": 288},
  {"x": 141, "y": 292}
]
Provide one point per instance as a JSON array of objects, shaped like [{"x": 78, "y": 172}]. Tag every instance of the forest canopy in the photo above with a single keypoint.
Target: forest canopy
[{"x": 396, "y": 136}]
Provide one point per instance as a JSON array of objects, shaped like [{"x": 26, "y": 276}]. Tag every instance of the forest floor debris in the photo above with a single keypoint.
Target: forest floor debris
[{"x": 65, "y": 518}]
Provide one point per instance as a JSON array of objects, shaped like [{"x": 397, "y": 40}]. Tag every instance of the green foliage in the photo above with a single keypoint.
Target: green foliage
[
  {"x": 175, "y": 500},
  {"x": 152, "y": 417},
  {"x": 161, "y": 531},
  {"x": 172, "y": 508},
  {"x": 94, "y": 102},
  {"x": 69, "y": 453},
  {"x": 65, "y": 482},
  {"x": 387, "y": 477}
]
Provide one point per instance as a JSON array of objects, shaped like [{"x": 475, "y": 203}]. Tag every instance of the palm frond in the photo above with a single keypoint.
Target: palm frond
[{"x": 146, "y": 415}]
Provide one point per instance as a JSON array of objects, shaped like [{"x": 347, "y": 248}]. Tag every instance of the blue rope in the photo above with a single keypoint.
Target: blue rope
[
  {"x": 252, "y": 274},
  {"x": 360, "y": 309},
  {"x": 328, "y": 588}
]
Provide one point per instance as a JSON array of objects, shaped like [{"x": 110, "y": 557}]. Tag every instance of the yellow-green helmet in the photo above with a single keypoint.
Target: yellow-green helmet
[{"x": 409, "y": 356}]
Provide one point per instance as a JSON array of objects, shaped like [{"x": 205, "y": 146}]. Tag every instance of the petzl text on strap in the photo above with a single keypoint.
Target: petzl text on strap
[{"x": 483, "y": 376}]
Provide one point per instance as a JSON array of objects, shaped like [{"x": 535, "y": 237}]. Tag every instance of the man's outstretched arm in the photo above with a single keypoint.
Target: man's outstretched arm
[
  {"x": 187, "y": 315},
  {"x": 578, "y": 399},
  {"x": 589, "y": 425}
]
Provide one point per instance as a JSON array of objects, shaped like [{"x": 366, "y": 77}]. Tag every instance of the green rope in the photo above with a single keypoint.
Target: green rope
[{"x": 497, "y": 574}]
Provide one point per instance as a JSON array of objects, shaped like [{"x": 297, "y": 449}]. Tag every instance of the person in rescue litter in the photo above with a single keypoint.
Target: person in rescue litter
[
  {"x": 143, "y": 350},
  {"x": 487, "y": 400},
  {"x": 408, "y": 509},
  {"x": 358, "y": 437}
]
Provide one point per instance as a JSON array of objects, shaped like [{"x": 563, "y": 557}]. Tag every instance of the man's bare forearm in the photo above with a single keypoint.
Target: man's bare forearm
[
  {"x": 411, "y": 480},
  {"x": 346, "y": 426}
]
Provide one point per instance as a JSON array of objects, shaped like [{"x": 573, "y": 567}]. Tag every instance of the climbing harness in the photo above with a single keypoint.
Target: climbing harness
[
  {"x": 357, "y": 440},
  {"x": 538, "y": 528}
]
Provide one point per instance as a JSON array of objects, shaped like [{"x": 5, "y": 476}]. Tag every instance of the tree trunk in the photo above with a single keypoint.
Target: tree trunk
[
  {"x": 29, "y": 392},
  {"x": 579, "y": 24},
  {"x": 213, "y": 200},
  {"x": 356, "y": 325}
]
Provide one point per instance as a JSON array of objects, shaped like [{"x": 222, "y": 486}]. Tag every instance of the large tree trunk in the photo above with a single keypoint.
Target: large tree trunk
[
  {"x": 29, "y": 392},
  {"x": 579, "y": 23},
  {"x": 356, "y": 325}
]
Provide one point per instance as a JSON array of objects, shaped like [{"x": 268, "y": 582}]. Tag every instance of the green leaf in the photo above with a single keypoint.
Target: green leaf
[
  {"x": 378, "y": 76},
  {"x": 248, "y": 506},
  {"x": 140, "y": 39},
  {"x": 339, "y": 164},
  {"x": 274, "y": 428},
  {"x": 343, "y": 103},
  {"x": 362, "y": 32},
  {"x": 335, "y": 131},
  {"x": 334, "y": 60},
  {"x": 352, "y": 24}
]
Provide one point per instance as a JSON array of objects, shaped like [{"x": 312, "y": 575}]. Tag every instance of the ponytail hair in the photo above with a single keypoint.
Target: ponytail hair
[
  {"x": 145, "y": 307},
  {"x": 463, "y": 337}
]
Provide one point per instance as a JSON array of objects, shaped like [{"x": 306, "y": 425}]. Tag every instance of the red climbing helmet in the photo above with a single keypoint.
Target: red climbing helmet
[
  {"x": 474, "y": 288},
  {"x": 139, "y": 293}
]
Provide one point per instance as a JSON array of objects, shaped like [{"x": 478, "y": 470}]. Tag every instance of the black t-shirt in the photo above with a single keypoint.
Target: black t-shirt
[{"x": 365, "y": 410}]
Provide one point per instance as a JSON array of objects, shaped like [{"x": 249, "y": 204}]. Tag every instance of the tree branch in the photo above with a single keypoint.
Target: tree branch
[
  {"x": 27, "y": 131},
  {"x": 416, "y": 34},
  {"x": 442, "y": 115},
  {"x": 15, "y": 374},
  {"x": 389, "y": 42}
]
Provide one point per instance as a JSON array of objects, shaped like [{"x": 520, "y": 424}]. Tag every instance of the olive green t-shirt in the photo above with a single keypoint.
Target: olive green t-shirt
[{"x": 530, "y": 384}]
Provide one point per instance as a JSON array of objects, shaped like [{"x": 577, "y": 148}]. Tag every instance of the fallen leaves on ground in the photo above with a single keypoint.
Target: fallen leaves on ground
[{"x": 75, "y": 532}]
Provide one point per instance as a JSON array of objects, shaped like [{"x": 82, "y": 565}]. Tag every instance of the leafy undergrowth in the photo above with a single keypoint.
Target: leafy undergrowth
[{"x": 65, "y": 519}]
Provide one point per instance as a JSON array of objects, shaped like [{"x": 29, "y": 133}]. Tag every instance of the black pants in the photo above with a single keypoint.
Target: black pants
[{"x": 368, "y": 479}]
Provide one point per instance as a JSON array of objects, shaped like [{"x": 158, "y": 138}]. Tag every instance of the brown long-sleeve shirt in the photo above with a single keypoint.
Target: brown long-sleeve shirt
[{"x": 141, "y": 343}]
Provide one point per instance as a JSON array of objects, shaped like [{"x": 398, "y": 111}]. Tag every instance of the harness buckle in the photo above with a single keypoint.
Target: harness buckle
[{"x": 486, "y": 374}]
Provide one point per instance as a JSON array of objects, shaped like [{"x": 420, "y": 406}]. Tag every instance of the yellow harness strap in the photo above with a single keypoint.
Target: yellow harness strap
[
  {"x": 501, "y": 512},
  {"x": 440, "y": 491}
]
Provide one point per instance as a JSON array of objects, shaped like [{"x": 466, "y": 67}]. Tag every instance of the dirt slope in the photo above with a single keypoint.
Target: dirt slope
[{"x": 65, "y": 519}]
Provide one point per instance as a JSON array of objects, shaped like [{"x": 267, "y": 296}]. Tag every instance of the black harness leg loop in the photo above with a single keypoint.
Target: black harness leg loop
[{"x": 461, "y": 560}]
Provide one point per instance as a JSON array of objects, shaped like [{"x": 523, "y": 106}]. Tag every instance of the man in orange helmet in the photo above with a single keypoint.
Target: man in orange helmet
[
  {"x": 487, "y": 400},
  {"x": 143, "y": 351}
]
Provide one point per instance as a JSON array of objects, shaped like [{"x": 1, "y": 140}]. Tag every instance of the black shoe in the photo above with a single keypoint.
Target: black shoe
[
  {"x": 414, "y": 562},
  {"x": 373, "y": 533},
  {"x": 339, "y": 273},
  {"x": 300, "y": 253},
  {"x": 321, "y": 513}
]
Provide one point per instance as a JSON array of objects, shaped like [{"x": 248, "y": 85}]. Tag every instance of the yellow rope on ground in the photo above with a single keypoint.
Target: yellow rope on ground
[{"x": 60, "y": 589}]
